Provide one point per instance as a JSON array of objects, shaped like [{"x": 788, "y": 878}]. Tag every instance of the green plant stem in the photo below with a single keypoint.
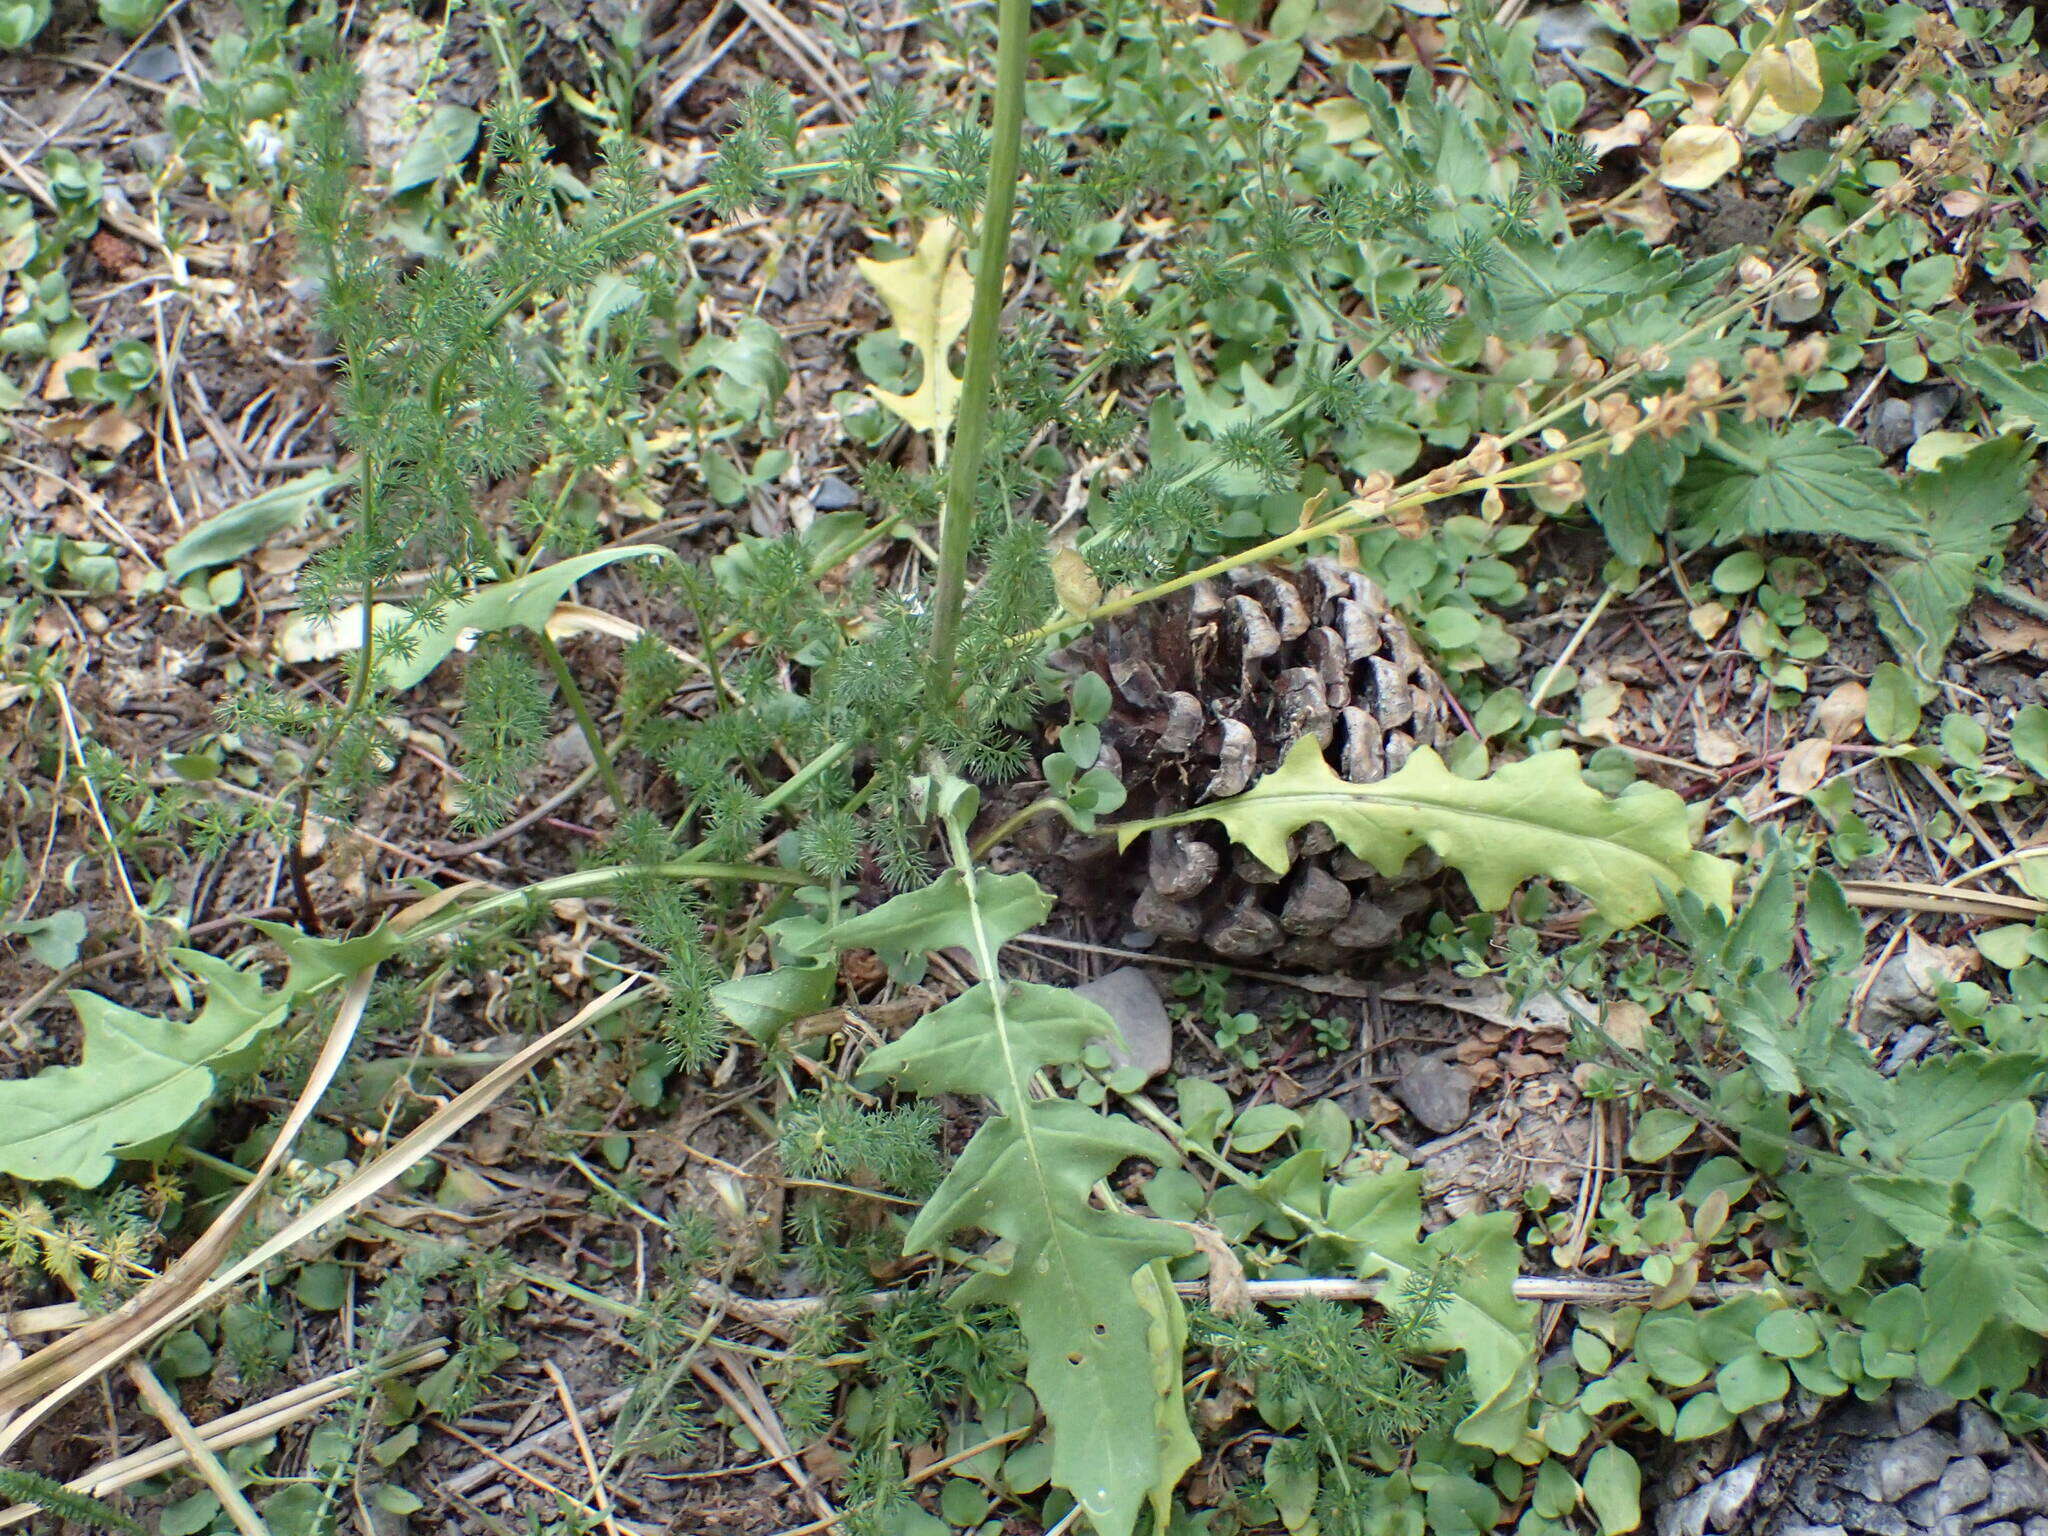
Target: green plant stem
[
  {"x": 595, "y": 882},
  {"x": 501, "y": 570},
  {"x": 970, "y": 431},
  {"x": 1011, "y": 823},
  {"x": 592, "y": 736}
]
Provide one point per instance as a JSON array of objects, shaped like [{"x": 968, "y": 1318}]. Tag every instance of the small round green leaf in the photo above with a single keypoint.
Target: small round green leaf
[
  {"x": 1752, "y": 1381},
  {"x": 1790, "y": 1335},
  {"x": 1892, "y": 712},
  {"x": 1614, "y": 1487},
  {"x": 1658, "y": 1134}
]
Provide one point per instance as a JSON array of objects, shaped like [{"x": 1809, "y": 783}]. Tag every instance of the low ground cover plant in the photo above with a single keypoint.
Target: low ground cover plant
[{"x": 1153, "y": 304}]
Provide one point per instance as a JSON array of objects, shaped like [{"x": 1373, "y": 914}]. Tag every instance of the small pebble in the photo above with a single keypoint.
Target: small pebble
[
  {"x": 1437, "y": 1093},
  {"x": 1568, "y": 29},
  {"x": 1916, "y": 1406},
  {"x": 2017, "y": 1488},
  {"x": 1129, "y": 996},
  {"x": 1891, "y": 427},
  {"x": 159, "y": 65},
  {"x": 1963, "y": 1484},
  {"x": 834, "y": 495}
]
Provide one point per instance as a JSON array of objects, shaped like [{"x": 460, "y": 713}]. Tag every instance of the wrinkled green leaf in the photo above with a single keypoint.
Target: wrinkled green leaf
[
  {"x": 1095, "y": 1327},
  {"x": 1546, "y": 289},
  {"x": 1536, "y": 819},
  {"x": 2015, "y": 388},
  {"x": 950, "y": 913},
  {"x": 1944, "y": 1110},
  {"x": 1629, "y": 495},
  {"x": 1967, "y": 507},
  {"x": 1482, "y": 1320},
  {"x": 1810, "y": 477}
]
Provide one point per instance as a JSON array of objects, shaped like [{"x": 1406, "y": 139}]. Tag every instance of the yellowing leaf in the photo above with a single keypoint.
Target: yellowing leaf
[
  {"x": 1791, "y": 76},
  {"x": 1536, "y": 819},
  {"x": 1343, "y": 119},
  {"x": 1074, "y": 582},
  {"x": 1698, "y": 155},
  {"x": 930, "y": 296}
]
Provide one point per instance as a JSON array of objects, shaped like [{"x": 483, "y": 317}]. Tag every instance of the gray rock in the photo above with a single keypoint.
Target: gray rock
[
  {"x": 1891, "y": 427},
  {"x": 1981, "y": 1431},
  {"x": 1683, "y": 1517},
  {"x": 1877, "y": 1520},
  {"x": 2001, "y": 1528},
  {"x": 834, "y": 495},
  {"x": 2038, "y": 1526},
  {"x": 1931, "y": 407},
  {"x": 2019, "y": 1487},
  {"x": 1245, "y": 932},
  {"x": 1907, "y": 1048},
  {"x": 1964, "y": 1483},
  {"x": 1318, "y": 903},
  {"x": 1912, "y": 1461},
  {"x": 1729, "y": 1493},
  {"x": 1437, "y": 1093},
  {"x": 1811, "y": 1530},
  {"x": 1568, "y": 28},
  {"x": 159, "y": 64},
  {"x": 1168, "y": 919},
  {"x": 1129, "y": 996},
  {"x": 1916, "y": 1406}
]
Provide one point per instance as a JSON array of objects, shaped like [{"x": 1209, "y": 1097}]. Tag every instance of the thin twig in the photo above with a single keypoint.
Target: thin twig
[
  {"x": 205, "y": 1465},
  {"x": 597, "y": 1488}
]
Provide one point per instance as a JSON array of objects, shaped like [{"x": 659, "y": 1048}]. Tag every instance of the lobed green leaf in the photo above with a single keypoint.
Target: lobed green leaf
[{"x": 1533, "y": 819}]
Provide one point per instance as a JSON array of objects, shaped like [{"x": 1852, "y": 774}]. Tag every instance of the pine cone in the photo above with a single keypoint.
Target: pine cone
[{"x": 1208, "y": 694}]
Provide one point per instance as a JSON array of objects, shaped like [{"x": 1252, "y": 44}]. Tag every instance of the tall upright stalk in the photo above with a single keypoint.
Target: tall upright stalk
[{"x": 970, "y": 431}]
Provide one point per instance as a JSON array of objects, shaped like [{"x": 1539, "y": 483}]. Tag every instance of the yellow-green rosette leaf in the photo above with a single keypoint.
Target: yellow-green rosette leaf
[{"x": 1536, "y": 819}]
